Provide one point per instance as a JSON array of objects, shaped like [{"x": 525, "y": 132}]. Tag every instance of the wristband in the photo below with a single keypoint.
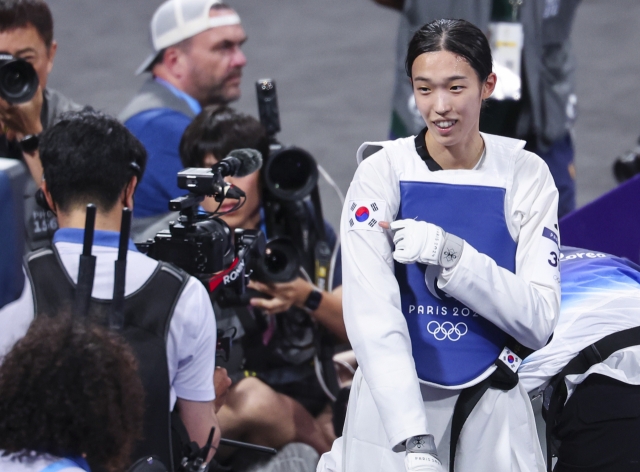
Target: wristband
[
  {"x": 451, "y": 251},
  {"x": 29, "y": 143},
  {"x": 313, "y": 300}
]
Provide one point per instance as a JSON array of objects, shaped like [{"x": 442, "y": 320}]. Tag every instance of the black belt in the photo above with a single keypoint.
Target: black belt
[{"x": 503, "y": 378}]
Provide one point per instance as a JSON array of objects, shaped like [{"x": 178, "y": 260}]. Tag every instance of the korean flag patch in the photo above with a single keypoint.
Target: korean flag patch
[{"x": 365, "y": 215}]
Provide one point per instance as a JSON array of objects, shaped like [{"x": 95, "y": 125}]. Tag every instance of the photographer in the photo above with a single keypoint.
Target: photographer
[
  {"x": 88, "y": 157},
  {"x": 276, "y": 333},
  {"x": 26, "y": 32},
  {"x": 62, "y": 399}
]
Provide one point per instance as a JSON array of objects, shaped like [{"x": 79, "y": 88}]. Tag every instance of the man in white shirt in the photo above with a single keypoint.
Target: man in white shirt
[{"x": 89, "y": 157}]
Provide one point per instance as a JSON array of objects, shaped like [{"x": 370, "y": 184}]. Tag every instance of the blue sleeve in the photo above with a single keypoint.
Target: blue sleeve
[
  {"x": 332, "y": 239},
  {"x": 160, "y": 131}
]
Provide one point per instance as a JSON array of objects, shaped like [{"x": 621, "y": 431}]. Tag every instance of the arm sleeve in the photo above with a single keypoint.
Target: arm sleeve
[
  {"x": 192, "y": 344},
  {"x": 371, "y": 300},
  {"x": 526, "y": 304}
]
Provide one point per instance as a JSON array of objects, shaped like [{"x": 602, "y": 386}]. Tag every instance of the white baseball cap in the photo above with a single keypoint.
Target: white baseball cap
[{"x": 177, "y": 20}]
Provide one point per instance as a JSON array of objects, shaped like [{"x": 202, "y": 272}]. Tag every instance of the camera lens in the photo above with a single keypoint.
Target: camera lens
[
  {"x": 280, "y": 262},
  {"x": 13, "y": 82},
  {"x": 275, "y": 260},
  {"x": 291, "y": 173},
  {"x": 18, "y": 80}
]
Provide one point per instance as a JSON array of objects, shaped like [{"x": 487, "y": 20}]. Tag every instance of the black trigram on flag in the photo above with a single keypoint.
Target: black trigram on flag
[
  {"x": 374, "y": 207},
  {"x": 353, "y": 206},
  {"x": 350, "y": 221},
  {"x": 372, "y": 222}
]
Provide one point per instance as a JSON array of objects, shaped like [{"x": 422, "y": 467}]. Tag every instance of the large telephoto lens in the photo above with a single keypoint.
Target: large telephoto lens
[
  {"x": 280, "y": 262},
  {"x": 18, "y": 79},
  {"x": 291, "y": 173}
]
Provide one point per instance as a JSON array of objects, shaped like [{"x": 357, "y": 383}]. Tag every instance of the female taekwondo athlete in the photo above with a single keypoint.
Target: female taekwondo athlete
[{"x": 473, "y": 221}]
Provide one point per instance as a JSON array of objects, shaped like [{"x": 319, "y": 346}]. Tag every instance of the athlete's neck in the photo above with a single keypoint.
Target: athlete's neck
[
  {"x": 107, "y": 221},
  {"x": 463, "y": 155}
]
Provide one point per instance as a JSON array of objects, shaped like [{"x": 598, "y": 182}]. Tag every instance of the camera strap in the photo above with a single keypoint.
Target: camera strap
[
  {"x": 116, "y": 319},
  {"x": 86, "y": 267}
]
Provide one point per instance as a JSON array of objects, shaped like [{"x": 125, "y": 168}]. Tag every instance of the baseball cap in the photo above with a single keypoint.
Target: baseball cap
[{"x": 177, "y": 20}]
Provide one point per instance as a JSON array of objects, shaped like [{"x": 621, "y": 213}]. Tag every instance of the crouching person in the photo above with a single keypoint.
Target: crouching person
[{"x": 589, "y": 374}]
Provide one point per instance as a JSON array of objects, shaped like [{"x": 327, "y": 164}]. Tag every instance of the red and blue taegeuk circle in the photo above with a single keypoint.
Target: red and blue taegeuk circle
[
  {"x": 362, "y": 214},
  {"x": 511, "y": 359}
]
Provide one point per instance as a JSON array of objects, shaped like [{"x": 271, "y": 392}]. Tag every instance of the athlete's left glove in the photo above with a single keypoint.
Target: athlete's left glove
[{"x": 419, "y": 241}]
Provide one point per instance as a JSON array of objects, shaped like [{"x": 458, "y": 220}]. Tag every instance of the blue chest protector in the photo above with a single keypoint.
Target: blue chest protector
[{"x": 451, "y": 344}]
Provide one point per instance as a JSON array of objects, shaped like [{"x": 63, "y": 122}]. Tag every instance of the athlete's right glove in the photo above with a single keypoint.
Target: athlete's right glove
[{"x": 421, "y": 455}]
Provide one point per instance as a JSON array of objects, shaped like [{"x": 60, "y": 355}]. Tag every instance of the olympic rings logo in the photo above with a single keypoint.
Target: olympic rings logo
[{"x": 447, "y": 330}]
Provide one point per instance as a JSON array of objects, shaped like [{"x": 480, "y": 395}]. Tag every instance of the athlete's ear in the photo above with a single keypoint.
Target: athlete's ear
[
  {"x": 489, "y": 85},
  {"x": 129, "y": 190},
  {"x": 44, "y": 199}
]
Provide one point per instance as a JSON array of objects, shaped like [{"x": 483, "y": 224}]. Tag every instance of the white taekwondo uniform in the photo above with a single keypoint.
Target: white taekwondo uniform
[{"x": 398, "y": 339}]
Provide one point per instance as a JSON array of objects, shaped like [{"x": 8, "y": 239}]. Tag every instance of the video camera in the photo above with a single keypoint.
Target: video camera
[
  {"x": 18, "y": 79},
  {"x": 290, "y": 181},
  {"x": 627, "y": 165},
  {"x": 203, "y": 245}
]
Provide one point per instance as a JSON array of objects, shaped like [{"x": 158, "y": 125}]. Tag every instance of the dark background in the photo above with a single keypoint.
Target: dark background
[{"x": 333, "y": 63}]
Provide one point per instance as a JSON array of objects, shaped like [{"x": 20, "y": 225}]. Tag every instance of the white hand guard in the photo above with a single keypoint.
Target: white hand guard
[
  {"x": 419, "y": 241},
  {"x": 421, "y": 455}
]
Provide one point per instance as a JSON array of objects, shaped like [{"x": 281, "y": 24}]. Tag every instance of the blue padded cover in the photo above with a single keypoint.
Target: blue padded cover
[{"x": 453, "y": 345}]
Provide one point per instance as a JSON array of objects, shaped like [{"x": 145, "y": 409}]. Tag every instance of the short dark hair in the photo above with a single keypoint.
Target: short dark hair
[
  {"x": 69, "y": 387},
  {"x": 89, "y": 157},
  {"x": 218, "y": 130},
  {"x": 21, "y": 13},
  {"x": 457, "y": 36}
]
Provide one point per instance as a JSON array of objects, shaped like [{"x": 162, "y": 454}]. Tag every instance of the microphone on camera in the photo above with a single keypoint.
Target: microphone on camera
[
  {"x": 233, "y": 192},
  {"x": 238, "y": 163}
]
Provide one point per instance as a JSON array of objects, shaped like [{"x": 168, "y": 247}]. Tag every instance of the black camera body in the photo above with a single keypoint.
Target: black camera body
[
  {"x": 18, "y": 79},
  {"x": 201, "y": 248},
  {"x": 203, "y": 245}
]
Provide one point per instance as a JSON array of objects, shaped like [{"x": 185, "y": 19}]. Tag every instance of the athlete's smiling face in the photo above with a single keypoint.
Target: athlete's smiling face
[{"x": 449, "y": 96}]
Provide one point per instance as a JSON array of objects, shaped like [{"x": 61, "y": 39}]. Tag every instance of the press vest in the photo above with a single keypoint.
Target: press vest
[{"x": 148, "y": 313}]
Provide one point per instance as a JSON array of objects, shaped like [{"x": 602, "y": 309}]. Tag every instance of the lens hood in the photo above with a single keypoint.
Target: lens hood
[
  {"x": 290, "y": 173},
  {"x": 18, "y": 79},
  {"x": 280, "y": 262}
]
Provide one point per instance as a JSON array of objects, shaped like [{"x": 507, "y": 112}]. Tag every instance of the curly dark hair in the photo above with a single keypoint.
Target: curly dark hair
[{"x": 71, "y": 388}]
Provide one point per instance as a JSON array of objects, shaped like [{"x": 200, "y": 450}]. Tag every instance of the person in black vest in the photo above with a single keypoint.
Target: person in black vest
[
  {"x": 89, "y": 157},
  {"x": 70, "y": 398}
]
